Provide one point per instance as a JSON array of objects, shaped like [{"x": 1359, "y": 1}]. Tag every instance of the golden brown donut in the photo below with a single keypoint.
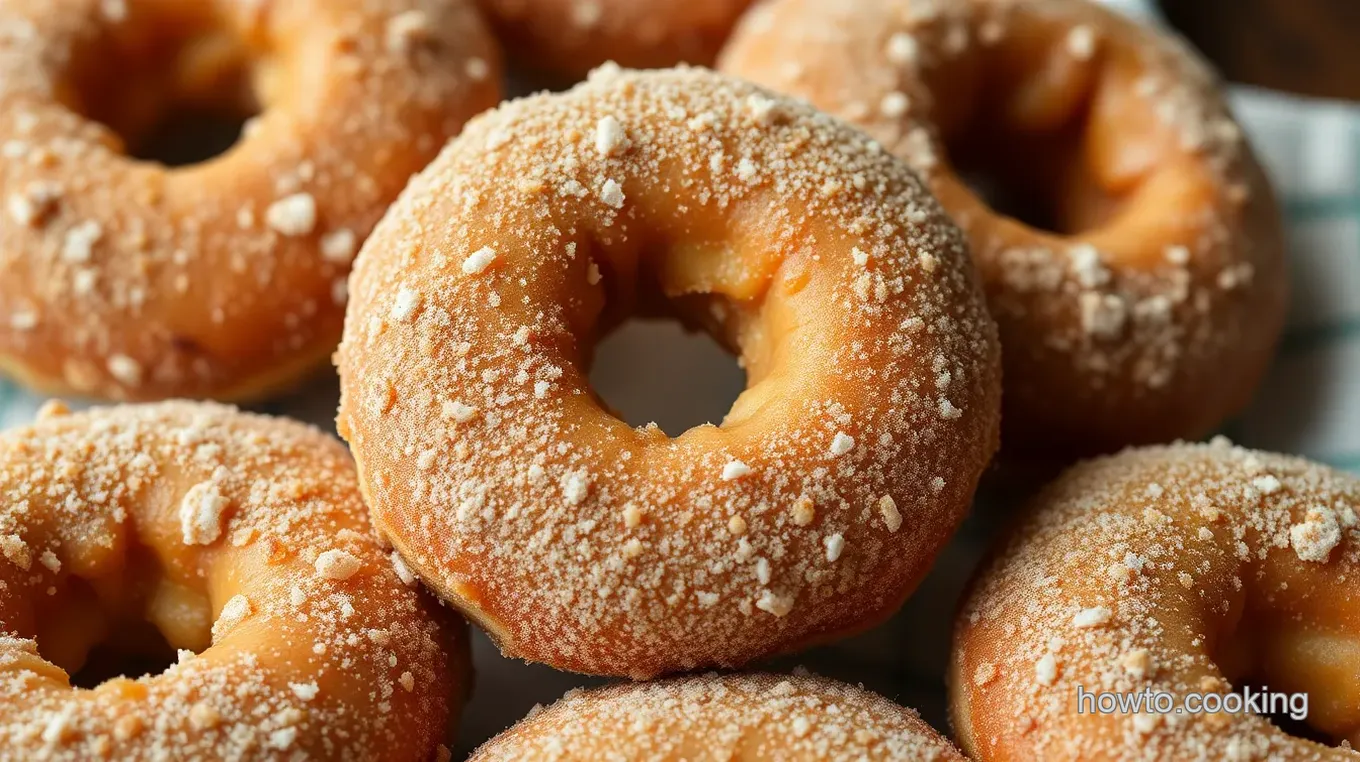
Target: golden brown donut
[
  {"x": 576, "y": 540},
  {"x": 129, "y": 279},
  {"x": 1144, "y": 299},
  {"x": 1182, "y": 570},
  {"x": 568, "y": 38},
  {"x": 736, "y": 718},
  {"x": 241, "y": 538}
]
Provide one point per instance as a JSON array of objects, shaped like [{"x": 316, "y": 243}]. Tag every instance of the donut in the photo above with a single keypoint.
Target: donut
[
  {"x": 741, "y": 718},
  {"x": 128, "y": 279},
  {"x": 1128, "y": 240},
  {"x": 568, "y": 38},
  {"x": 242, "y": 541},
  {"x": 1178, "y": 571},
  {"x": 579, "y": 541}
]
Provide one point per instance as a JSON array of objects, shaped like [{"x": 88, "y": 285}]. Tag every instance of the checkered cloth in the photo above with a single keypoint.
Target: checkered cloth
[{"x": 1309, "y": 405}]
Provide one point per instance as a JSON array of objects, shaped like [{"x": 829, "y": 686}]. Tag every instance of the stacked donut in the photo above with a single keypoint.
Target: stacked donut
[
  {"x": 127, "y": 279},
  {"x": 877, "y": 207},
  {"x": 1127, "y": 238}
]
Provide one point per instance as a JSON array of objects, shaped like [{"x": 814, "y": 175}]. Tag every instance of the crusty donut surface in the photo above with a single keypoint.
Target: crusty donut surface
[
  {"x": 577, "y": 540},
  {"x": 128, "y": 279},
  {"x": 567, "y": 38},
  {"x": 240, "y": 537},
  {"x": 1181, "y": 569},
  {"x": 736, "y": 718},
  {"x": 1147, "y": 305}
]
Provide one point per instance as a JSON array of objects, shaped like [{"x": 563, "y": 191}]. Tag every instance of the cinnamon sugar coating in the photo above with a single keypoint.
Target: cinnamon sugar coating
[
  {"x": 244, "y": 541},
  {"x": 737, "y": 718},
  {"x": 1180, "y": 569},
  {"x": 576, "y": 540},
  {"x": 127, "y": 279},
  {"x": 1129, "y": 243},
  {"x": 568, "y": 38}
]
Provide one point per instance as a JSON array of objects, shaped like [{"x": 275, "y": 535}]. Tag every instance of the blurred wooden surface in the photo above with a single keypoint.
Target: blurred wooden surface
[{"x": 1304, "y": 46}]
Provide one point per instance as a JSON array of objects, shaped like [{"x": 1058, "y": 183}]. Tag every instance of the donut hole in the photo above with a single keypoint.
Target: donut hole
[
  {"x": 1047, "y": 125},
  {"x": 1028, "y": 177},
  {"x": 188, "y": 137},
  {"x": 1282, "y": 717},
  {"x": 139, "y": 650},
  {"x": 1272, "y": 654},
  {"x": 183, "y": 89},
  {"x": 655, "y": 371},
  {"x": 130, "y": 625}
]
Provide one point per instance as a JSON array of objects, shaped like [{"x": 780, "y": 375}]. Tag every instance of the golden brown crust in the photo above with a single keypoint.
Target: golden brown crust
[
  {"x": 579, "y": 541},
  {"x": 1155, "y": 310},
  {"x": 240, "y": 537},
  {"x": 736, "y": 718},
  {"x": 127, "y": 279},
  {"x": 568, "y": 38},
  {"x": 1182, "y": 569}
]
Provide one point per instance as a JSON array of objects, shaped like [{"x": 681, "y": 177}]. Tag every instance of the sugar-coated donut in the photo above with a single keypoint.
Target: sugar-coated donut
[
  {"x": 568, "y": 38},
  {"x": 736, "y": 718},
  {"x": 240, "y": 537},
  {"x": 576, "y": 540},
  {"x": 1189, "y": 569},
  {"x": 128, "y": 279},
  {"x": 1145, "y": 303}
]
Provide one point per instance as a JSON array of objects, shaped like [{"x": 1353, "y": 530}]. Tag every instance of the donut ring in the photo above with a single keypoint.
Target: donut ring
[
  {"x": 741, "y": 718},
  {"x": 127, "y": 279},
  {"x": 241, "y": 537},
  {"x": 1154, "y": 310},
  {"x": 579, "y": 541},
  {"x": 568, "y": 38},
  {"x": 1176, "y": 569}
]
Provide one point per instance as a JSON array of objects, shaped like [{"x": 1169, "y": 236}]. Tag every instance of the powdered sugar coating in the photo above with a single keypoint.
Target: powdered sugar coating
[
  {"x": 738, "y": 718},
  {"x": 126, "y": 279},
  {"x": 1167, "y": 569},
  {"x": 96, "y": 497},
  {"x": 1153, "y": 310},
  {"x": 582, "y": 542}
]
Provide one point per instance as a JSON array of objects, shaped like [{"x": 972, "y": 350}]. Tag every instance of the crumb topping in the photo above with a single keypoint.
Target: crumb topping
[
  {"x": 294, "y": 216},
  {"x": 200, "y": 514}
]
